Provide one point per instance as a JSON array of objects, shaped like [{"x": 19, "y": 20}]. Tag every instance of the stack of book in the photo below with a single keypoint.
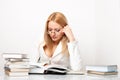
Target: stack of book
[
  {"x": 102, "y": 69},
  {"x": 16, "y": 64}
]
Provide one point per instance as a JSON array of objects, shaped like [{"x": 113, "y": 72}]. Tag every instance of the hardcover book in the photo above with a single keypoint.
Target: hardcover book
[
  {"x": 49, "y": 69},
  {"x": 102, "y": 73},
  {"x": 16, "y": 69},
  {"x": 9, "y": 73},
  {"x": 102, "y": 68},
  {"x": 52, "y": 69},
  {"x": 14, "y": 55}
]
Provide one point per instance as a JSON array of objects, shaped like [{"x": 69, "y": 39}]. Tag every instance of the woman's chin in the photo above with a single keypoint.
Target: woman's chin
[{"x": 55, "y": 40}]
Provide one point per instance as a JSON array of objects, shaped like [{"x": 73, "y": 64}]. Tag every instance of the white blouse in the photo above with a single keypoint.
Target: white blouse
[{"x": 73, "y": 61}]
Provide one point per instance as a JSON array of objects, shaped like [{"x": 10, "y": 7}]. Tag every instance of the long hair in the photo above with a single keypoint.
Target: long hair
[{"x": 61, "y": 20}]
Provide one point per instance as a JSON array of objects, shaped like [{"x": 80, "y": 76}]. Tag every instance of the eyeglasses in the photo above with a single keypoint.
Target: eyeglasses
[{"x": 56, "y": 31}]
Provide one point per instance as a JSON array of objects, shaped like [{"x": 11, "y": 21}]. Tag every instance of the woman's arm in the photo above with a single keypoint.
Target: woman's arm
[
  {"x": 75, "y": 57},
  {"x": 73, "y": 48}
]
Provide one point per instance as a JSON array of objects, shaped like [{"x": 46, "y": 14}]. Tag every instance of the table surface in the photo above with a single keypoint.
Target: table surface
[{"x": 60, "y": 77}]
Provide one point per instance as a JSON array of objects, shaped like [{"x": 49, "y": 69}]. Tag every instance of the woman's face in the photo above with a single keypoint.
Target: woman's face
[{"x": 55, "y": 31}]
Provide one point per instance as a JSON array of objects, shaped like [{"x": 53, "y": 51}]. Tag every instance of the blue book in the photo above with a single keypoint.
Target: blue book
[{"x": 102, "y": 68}]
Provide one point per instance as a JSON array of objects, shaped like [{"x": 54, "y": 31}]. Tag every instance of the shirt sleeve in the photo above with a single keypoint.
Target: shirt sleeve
[{"x": 75, "y": 57}]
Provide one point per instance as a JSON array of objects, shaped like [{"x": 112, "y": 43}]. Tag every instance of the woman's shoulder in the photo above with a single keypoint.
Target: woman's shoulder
[{"x": 73, "y": 42}]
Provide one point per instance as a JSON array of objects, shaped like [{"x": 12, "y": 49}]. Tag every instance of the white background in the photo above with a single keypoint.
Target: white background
[{"x": 95, "y": 24}]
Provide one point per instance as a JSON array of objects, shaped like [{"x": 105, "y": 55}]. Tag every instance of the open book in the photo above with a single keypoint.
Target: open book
[
  {"x": 49, "y": 69},
  {"x": 52, "y": 69}
]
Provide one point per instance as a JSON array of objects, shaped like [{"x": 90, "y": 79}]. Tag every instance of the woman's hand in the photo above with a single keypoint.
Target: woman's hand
[{"x": 68, "y": 33}]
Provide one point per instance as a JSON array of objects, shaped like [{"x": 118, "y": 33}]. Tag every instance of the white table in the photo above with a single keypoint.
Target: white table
[{"x": 60, "y": 77}]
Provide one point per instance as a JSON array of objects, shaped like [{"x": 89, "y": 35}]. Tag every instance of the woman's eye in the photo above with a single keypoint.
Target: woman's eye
[
  {"x": 49, "y": 29},
  {"x": 57, "y": 30}
]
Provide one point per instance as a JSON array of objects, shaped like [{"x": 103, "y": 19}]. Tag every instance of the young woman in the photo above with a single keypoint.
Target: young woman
[{"x": 59, "y": 46}]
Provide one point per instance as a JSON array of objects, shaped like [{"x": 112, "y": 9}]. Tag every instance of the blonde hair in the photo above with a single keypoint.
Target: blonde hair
[{"x": 61, "y": 20}]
